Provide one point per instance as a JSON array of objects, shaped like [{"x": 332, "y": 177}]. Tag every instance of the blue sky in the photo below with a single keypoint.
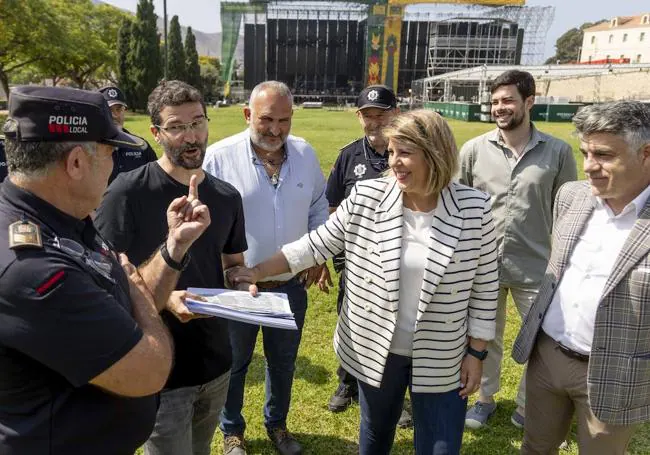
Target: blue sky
[{"x": 203, "y": 15}]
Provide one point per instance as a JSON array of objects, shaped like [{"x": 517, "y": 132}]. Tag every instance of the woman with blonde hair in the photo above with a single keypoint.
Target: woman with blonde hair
[{"x": 422, "y": 280}]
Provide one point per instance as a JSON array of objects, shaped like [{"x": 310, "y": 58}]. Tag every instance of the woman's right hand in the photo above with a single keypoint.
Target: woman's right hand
[{"x": 243, "y": 278}]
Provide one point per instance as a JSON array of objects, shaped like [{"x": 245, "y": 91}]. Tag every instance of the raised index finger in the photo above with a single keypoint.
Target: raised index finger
[{"x": 194, "y": 189}]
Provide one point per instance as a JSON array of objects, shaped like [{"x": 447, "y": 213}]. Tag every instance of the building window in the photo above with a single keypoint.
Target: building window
[
  {"x": 638, "y": 58},
  {"x": 645, "y": 19},
  {"x": 611, "y": 39},
  {"x": 613, "y": 22},
  {"x": 593, "y": 39},
  {"x": 622, "y": 57},
  {"x": 625, "y": 37},
  {"x": 641, "y": 36},
  {"x": 607, "y": 58}
]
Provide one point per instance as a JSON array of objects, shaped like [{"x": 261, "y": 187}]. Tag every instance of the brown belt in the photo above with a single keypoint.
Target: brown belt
[{"x": 271, "y": 284}]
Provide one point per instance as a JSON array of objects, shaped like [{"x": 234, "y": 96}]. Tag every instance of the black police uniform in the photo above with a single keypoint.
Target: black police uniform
[
  {"x": 60, "y": 278},
  {"x": 357, "y": 161},
  {"x": 65, "y": 308},
  {"x": 3, "y": 160},
  {"x": 127, "y": 159}
]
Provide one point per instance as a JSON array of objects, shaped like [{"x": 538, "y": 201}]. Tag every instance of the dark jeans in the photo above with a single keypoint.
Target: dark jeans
[
  {"x": 280, "y": 350},
  {"x": 438, "y": 418}
]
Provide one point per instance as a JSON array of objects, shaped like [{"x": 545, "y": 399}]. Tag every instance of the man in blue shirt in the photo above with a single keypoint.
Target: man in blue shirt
[{"x": 283, "y": 192}]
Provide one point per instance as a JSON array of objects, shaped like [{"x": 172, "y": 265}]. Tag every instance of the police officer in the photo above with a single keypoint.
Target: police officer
[
  {"x": 3, "y": 160},
  {"x": 82, "y": 347},
  {"x": 124, "y": 158},
  {"x": 365, "y": 158}
]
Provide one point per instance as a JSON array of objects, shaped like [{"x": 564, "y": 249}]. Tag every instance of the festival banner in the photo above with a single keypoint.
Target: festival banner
[
  {"x": 392, "y": 42},
  {"x": 375, "y": 43},
  {"x": 231, "y": 19}
]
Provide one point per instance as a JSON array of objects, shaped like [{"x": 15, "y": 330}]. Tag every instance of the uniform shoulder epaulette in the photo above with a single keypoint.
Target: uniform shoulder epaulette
[
  {"x": 24, "y": 234},
  {"x": 349, "y": 144}
]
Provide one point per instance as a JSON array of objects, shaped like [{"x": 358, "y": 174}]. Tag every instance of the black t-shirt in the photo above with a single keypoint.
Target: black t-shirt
[
  {"x": 357, "y": 161},
  {"x": 64, "y": 319},
  {"x": 126, "y": 159},
  {"x": 132, "y": 216},
  {"x": 3, "y": 161}
]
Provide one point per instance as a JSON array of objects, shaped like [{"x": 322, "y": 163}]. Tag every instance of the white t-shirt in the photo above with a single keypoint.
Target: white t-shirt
[{"x": 416, "y": 234}]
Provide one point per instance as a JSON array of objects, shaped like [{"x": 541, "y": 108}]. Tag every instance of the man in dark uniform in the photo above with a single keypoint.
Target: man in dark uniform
[
  {"x": 365, "y": 158},
  {"x": 3, "y": 160},
  {"x": 83, "y": 350},
  {"x": 124, "y": 158}
]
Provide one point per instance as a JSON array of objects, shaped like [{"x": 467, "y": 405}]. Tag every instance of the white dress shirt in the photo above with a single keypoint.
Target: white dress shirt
[{"x": 571, "y": 315}]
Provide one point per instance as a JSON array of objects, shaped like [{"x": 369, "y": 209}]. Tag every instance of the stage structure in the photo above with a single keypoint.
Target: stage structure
[{"x": 330, "y": 50}]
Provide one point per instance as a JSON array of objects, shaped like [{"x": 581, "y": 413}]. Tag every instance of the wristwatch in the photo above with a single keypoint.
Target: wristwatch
[
  {"x": 481, "y": 355},
  {"x": 180, "y": 266}
]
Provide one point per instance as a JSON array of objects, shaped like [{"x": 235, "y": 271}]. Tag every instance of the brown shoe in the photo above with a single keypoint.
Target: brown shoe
[
  {"x": 233, "y": 444},
  {"x": 284, "y": 441}
]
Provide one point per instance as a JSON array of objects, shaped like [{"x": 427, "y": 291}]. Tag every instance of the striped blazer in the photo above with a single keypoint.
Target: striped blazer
[
  {"x": 618, "y": 380},
  {"x": 460, "y": 286}
]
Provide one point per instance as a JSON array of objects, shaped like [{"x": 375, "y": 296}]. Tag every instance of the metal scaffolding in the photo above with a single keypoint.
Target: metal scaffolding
[
  {"x": 456, "y": 44},
  {"x": 534, "y": 20},
  {"x": 469, "y": 84}
]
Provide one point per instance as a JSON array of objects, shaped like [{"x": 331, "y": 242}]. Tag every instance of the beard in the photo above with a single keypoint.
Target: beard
[
  {"x": 262, "y": 141},
  {"x": 179, "y": 157},
  {"x": 515, "y": 120}
]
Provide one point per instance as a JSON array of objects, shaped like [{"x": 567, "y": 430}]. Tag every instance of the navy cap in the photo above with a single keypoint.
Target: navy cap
[
  {"x": 59, "y": 114},
  {"x": 376, "y": 96},
  {"x": 113, "y": 95}
]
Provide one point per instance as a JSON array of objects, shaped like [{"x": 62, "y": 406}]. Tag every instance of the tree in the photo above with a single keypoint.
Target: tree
[
  {"x": 124, "y": 76},
  {"x": 176, "y": 68},
  {"x": 144, "y": 56},
  {"x": 92, "y": 31},
  {"x": 567, "y": 46},
  {"x": 210, "y": 77},
  {"x": 27, "y": 31},
  {"x": 192, "y": 68}
]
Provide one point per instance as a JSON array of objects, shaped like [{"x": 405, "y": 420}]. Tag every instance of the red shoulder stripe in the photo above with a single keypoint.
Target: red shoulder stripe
[{"x": 43, "y": 288}]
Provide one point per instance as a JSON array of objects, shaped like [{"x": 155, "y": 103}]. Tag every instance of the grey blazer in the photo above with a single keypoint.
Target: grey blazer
[{"x": 618, "y": 379}]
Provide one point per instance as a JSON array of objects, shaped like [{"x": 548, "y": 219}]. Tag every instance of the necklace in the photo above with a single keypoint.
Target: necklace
[{"x": 274, "y": 167}]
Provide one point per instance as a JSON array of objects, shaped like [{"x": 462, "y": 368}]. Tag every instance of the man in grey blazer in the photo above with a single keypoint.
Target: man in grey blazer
[{"x": 586, "y": 336}]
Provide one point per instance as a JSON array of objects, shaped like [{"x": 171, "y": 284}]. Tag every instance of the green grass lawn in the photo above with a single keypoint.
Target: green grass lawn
[{"x": 320, "y": 431}]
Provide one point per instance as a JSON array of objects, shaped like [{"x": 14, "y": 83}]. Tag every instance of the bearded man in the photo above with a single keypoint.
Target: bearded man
[
  {"x": 522, "y": 169},
  {"x": 130, "y": 216},
  {"x": 283, "y": 192}
]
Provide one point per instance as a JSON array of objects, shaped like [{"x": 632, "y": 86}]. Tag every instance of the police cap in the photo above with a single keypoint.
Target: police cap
[
  {"x": 113, "y": 95},
  {"x": 59, "y": 114},
  {"x": 376, "y": 96}
]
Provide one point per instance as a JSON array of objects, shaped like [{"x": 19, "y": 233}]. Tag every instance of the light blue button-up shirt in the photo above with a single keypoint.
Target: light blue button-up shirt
[{"x": 274, "y": 216}]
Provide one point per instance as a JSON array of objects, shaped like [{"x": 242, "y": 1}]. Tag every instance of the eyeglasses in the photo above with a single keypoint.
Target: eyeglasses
[
  {"x": 199, "y": 125},
  {"x": 95, "y": 260},
  {"x": 378, "y": 164}
]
